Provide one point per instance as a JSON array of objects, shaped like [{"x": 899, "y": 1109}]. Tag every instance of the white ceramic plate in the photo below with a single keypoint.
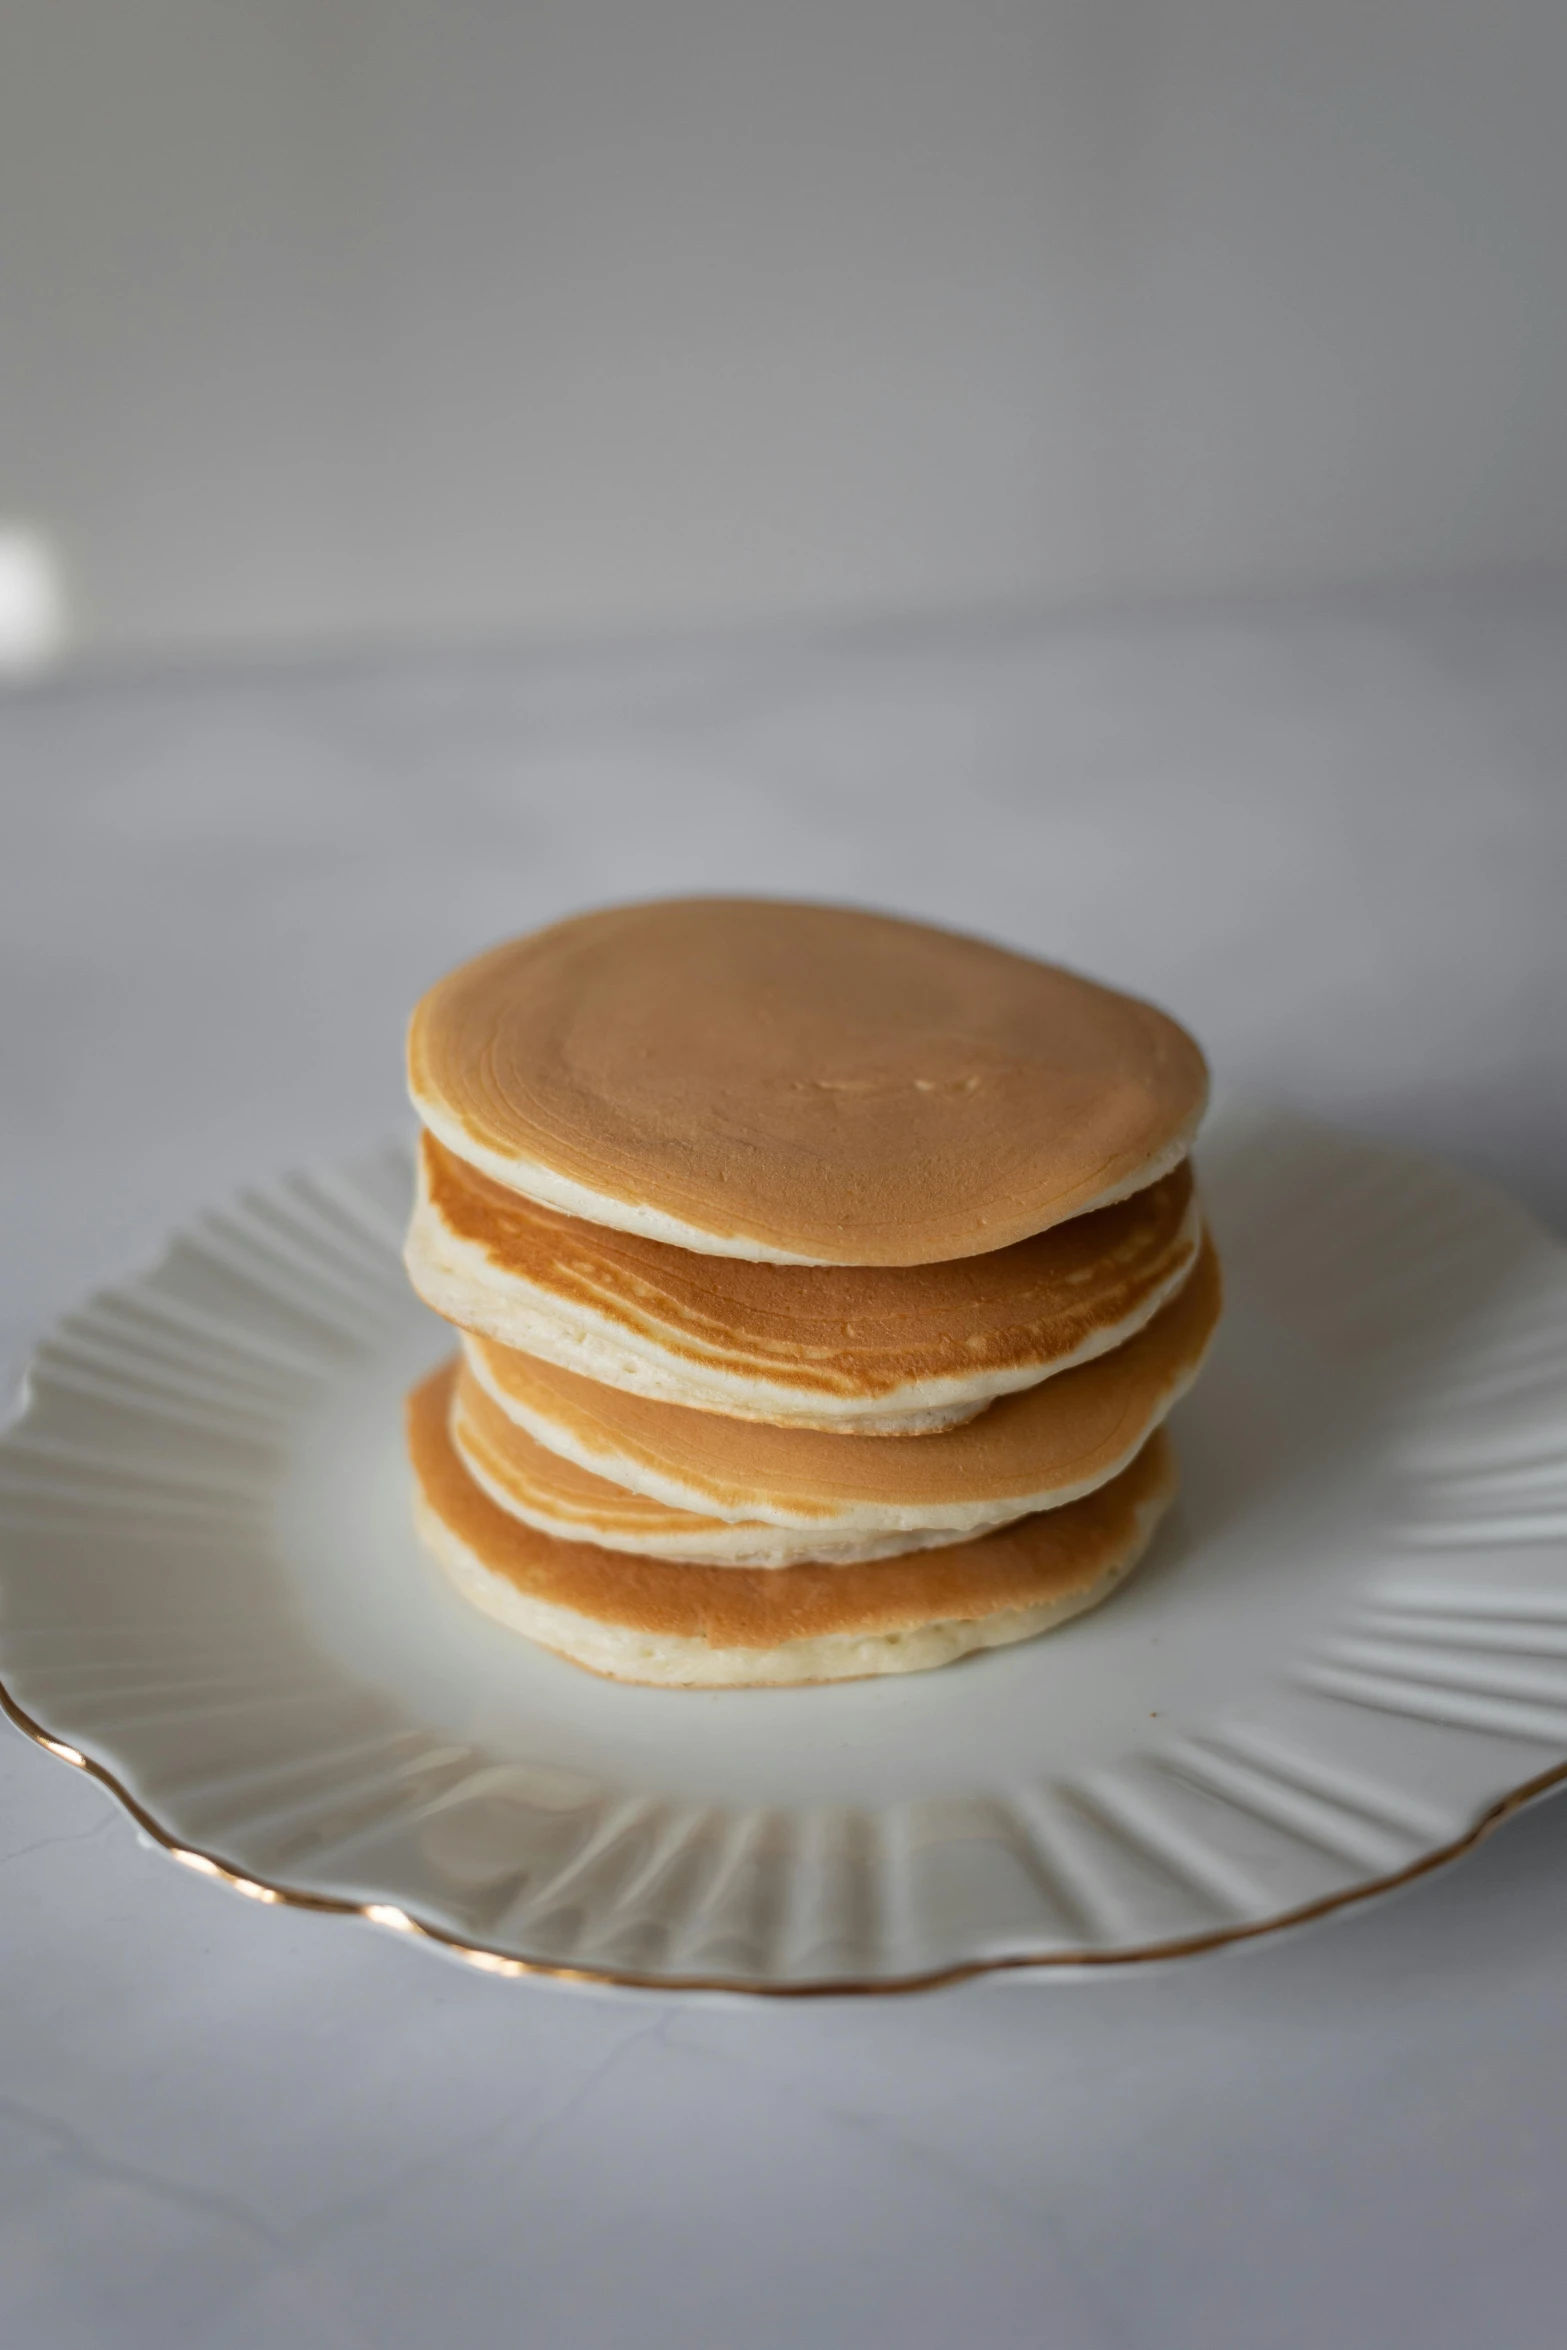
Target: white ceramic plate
[{"x": 1344, "y": 1658}]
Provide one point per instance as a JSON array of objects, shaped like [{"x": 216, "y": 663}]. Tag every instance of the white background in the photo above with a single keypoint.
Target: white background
[
  {"x": 1332, "y": 835},
  {"x": 357, "y": 318},
  {"x": 332, "y": 320}
]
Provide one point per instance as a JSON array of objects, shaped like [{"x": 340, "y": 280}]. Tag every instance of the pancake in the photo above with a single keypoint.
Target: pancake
[
  {"x": 554, "y": 1494},
  {"x": 880, "y": 1349},
  {"x": 696, "y": 1626},
  {"x": 799, "y": 1084},
  {"x": 1038, "y": 1449}
]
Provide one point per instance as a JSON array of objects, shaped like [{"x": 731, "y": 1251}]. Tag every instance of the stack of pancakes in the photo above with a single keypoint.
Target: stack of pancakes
[{"x": 824, "y": 1281}]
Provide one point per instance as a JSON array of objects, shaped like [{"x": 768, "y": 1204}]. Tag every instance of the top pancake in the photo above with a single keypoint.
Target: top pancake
[{"x": 799, "y": 1084}]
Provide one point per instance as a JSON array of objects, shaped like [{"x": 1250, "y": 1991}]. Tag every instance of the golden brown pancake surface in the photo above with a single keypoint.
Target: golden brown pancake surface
[
  {"x": 844, "y": 1334},
  {"x": 528, "y": 1481},
  {"x": 1061, "y": 1436},
  {"x": 533, "y": 1478},
  {"x": 1024, "y": 1565},
  {"x": 800, "y": 1083}
]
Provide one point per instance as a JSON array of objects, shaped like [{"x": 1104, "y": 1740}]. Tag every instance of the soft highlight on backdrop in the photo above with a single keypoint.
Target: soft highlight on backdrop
[{"x": 367, "y": 321}]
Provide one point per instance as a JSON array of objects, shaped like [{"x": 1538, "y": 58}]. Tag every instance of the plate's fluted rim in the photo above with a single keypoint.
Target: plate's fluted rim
[{"x": 496, "y": 1962}]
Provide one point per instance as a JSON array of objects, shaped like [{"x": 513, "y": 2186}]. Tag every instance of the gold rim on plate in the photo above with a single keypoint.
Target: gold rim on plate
[{"x": 496, "y": 1962}]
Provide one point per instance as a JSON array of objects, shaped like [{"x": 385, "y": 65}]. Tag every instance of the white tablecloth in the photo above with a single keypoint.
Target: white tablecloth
[{"x": 1331, "y": 835}]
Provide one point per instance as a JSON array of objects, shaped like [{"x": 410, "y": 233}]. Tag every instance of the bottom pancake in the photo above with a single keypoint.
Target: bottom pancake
[{"x": 647, "y": 1620}]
